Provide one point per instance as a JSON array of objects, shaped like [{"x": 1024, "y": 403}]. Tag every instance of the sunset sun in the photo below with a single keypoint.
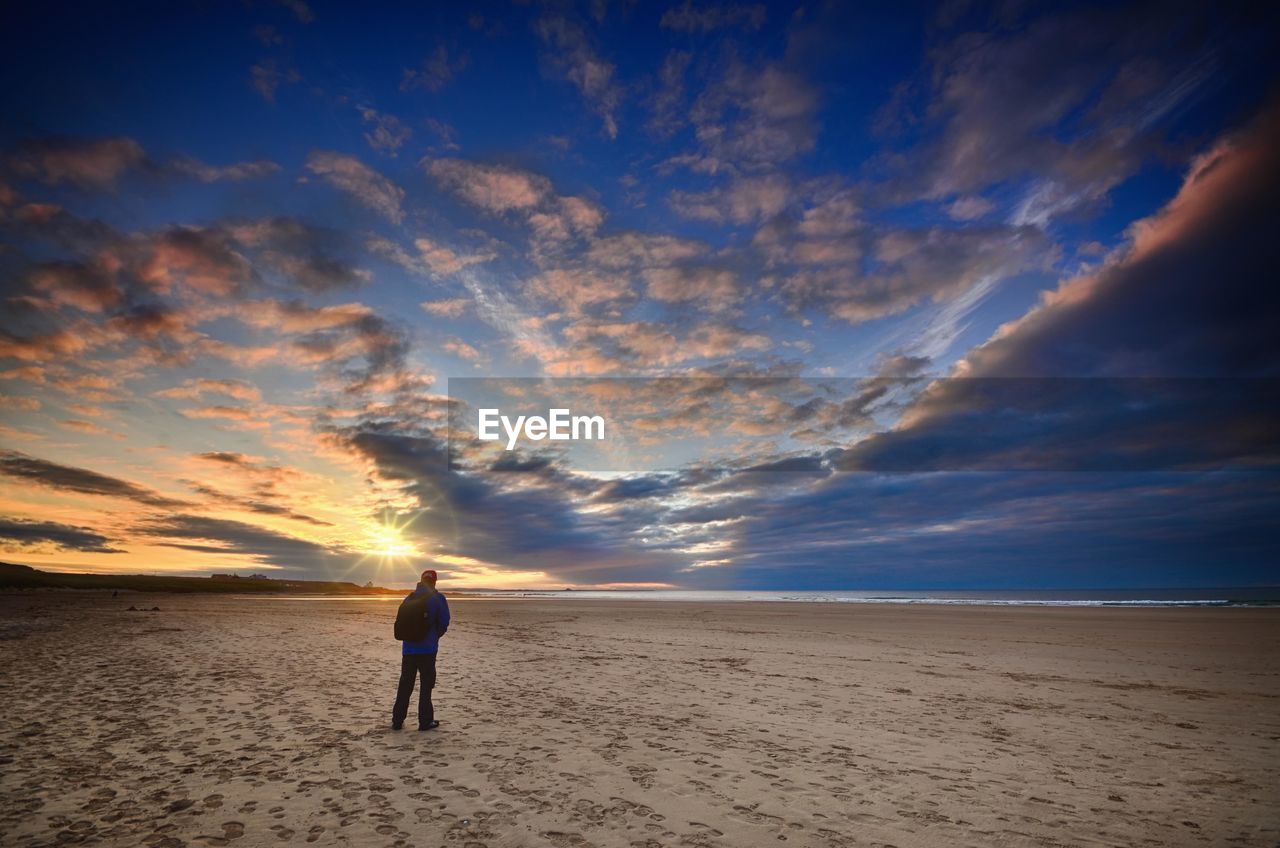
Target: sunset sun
[{"x": 385, "y": 539}]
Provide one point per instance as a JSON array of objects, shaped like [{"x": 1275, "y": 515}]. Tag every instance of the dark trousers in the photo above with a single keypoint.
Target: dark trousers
[{"x": 411, "y": 667}]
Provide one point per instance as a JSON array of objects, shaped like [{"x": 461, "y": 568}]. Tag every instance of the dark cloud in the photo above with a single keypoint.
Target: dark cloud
[
  {"x": 206, "y": 259},
  {"x": 366, "y": 354},
  {"x": 88, "y": 287},
  {"x": 98, "y": 164},
  {"x": 1002, "y": 531},
  {"x": 204, "y": 534},
  {"x": 518, "y": 521},
  {"x": 51, "y": 224},
  {"x": 308, "y": 257},
  {"x": 1177, "y": 330},
  {"x": 81, "y": 162},
  {"x": 227, "y": 457},
  {"x": 63, "y": 536},
  {"x": 42, "y": 472},
  {"x": 1080, "y": 424}
]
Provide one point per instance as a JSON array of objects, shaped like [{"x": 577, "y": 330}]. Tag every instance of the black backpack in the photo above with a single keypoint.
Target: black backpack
[{"x": 411, "y": 618}]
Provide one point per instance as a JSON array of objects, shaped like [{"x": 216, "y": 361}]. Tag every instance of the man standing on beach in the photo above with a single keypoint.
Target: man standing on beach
[{"x": 418, "y": 656}]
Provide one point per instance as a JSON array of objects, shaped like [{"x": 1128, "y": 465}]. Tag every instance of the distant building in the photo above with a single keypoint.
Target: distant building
[
  {"x": 258, "y": 577},
  {"x": 224, "y": 576}
]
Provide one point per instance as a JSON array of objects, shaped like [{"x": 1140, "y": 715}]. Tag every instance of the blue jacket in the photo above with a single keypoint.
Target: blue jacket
[{"x": 438, "y": 614}]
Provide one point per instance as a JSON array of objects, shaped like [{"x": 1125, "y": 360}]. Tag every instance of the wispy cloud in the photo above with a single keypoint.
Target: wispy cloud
[{"x": 367, "y": 186}]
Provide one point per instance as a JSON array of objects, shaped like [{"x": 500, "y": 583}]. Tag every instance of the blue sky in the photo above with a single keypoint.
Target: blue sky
[{"x": 245, "y": 247}]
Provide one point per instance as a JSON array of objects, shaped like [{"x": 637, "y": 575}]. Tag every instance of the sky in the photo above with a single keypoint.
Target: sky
[{"x": 958, "y": 295}]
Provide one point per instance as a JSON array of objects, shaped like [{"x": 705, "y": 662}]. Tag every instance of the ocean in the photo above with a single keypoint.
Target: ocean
[{"x": 1203, "y": 597}]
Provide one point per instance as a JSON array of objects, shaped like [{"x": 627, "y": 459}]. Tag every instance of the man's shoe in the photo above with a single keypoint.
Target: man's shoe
[
  {"x": 397, "y": 725},
  {"x": 431, "y": 725}
]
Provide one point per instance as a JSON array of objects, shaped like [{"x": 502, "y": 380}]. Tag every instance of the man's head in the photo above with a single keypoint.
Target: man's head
[{"x": 428, "y": 577}]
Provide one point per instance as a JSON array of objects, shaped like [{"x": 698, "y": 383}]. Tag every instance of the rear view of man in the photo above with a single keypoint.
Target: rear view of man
[{"x": 422, "y": 619}]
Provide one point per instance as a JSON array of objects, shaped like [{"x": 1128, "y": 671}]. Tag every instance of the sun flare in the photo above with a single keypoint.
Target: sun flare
[{"x": 385, "y": 539}]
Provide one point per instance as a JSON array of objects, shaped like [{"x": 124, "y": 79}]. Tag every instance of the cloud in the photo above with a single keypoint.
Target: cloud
[
  {"x": 973, "y": 207},
  {"x": 711, "y": 288},
  {"x": 90, "y": 288},
  {"x": 90, "y": 427},
  {"x": 1071, "y": 100},
  {"x": 531, "y": 525},
  {"x": 565, "y": 219},
  {"x": 196, "y": 388},
  {"x": 315, "y": 259},
  {"x": 1162, "y": 358},
  {"x": 27, "y": 534},
  {"x": 1151, "y": 310},
  {"x": 266, "y": 77},
  {"x": 437, "y": 71},
  {"x": 1000, "y": 531},
  {"x": 556, "y": 222},
  {"x": 445, "y": 261},
  {"x": 494, "y": 188},
  {"x": 572, "y": 55},
  {"x": 204, "y": 534},
  {"x": 41, "y": 347},
  {"x": 578, "y": 290},
  {"x": 666, "y": 103},
  {"x": 461, "y": 349},
  {"x": 367, "y": 354},
  {"x": 22, "y": 403},
  {"x": 433, "y": 258},
  {"x": 296, "y": 317},
  {"x": 236, "y": 172},
  {"x": 253, "y": 505},
  {"x": 907, "y": 267},
  {"x": 702, "y": 19},
  {"x": 600, "y": 347},
  {"x": 387, "y": 134},
  {"x": 743, "y": 201},
  {"x": 449, "y": 308},
  {"x": 20, "y": 466},
  {"x": 367, "y": 186},
  {"x": 204, "y": 259},
  {"x": 98, "y": 164},
  {"x": 752, "y": 119},
  {"x": 84, "y": 163},
  {"x": 633, "y": 249}
]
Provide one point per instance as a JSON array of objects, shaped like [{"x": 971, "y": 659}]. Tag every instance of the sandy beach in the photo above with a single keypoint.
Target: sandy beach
[{"x": 228, "y": 721}]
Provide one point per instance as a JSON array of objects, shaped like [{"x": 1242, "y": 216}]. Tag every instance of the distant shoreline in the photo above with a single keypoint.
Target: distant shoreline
[{"x": 26, "y": 578}]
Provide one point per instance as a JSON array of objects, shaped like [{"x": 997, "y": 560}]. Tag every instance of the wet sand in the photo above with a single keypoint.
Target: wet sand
[{"x": 226, "y": 721}]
